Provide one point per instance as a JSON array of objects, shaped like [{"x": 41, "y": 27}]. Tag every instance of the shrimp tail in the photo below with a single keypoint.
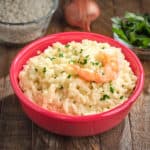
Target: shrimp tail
[
  {"x": 110, "y": 63},
  {"x": 86, "y": 74}
]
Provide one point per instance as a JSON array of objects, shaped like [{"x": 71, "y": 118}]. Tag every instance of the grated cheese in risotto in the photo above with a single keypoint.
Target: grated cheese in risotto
[{"x": 71, "y": 78}]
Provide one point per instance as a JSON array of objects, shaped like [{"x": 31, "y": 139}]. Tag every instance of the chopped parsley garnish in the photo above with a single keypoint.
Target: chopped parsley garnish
[
  {"x": 83, "y": 62},
  {"x": 51, "y": 58},
  {"x": 133, "y": 29},
  {"x": 105, "y": 96},
  {"x": 103, "y": 47},
  {"x": 69, "y": 76},
  {"x": 61, "y": 87},
  {"x": 61, "y": 55},
  {"x": 72, "y": 61},
  {"x": 67, "y": 45},
  {"x": 81, "y": 50},
  {"x": 121, "y": 97},
  {"x": 44, "y": 69},
  {"x": 95, "y": 63},
  {"x": 111, "y": 89},
  {"x": 75, "y": 52},
  {"x": 36, "y": 69},
  {"x": 87, "y": 56}
]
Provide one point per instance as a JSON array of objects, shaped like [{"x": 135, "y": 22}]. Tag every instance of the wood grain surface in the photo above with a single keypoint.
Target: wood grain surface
[{"x": 17, "y": 132}]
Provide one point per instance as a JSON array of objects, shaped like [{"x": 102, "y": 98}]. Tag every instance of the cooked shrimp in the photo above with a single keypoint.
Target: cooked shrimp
[{"x": 110, "y": 63}]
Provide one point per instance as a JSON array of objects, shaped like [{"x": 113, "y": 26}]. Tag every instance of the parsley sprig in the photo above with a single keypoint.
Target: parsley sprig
[{"x": 104, "y": 97}]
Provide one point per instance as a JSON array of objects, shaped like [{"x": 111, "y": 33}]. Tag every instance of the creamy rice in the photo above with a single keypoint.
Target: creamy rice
[{"x": 48, "y": 80}]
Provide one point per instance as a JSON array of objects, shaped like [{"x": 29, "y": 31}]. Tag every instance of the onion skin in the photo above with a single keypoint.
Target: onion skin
[{"x": 81, "y": 13}]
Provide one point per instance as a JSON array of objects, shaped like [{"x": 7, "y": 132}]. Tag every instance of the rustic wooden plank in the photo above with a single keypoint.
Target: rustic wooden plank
[
  {"x": 15, "y": 128},
  {"x": 122, "y": 6},
  {"x": 5, "y": 87},
  {"x": 8, "y": 87},
  {"x": 140, "y": 114},
  {"x": 140, "y": 118},
  {"x": 11, "y": 109},
  {"x": 140, "y": 124},
  {"x": 7, "y": 95},
  {"x": 7, "y": 53},
  {"x": 145, "y": 4},
  {"x": 3, "y": 62},
  {"x": 2, "y": 81},
  {"x": 103, "y": 23},
  {"x": 58, "y": 22},
  {"x": 15, "y": 135},
  {"x": 90, "y": 143},
  {"x": 51, "y": 141},
  {"x": 119, "y": 138},
  {"x": 41, "y": 139}
]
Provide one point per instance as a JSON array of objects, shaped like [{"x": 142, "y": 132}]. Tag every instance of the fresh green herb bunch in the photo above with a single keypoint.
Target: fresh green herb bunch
[{"x": 133, "y": 28}]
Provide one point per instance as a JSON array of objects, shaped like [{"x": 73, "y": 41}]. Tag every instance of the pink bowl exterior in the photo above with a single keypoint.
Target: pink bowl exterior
[{"x": 67, "y": 124}]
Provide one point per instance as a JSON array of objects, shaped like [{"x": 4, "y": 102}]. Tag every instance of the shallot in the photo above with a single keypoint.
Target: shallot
[{"x": 81, "y": 13}]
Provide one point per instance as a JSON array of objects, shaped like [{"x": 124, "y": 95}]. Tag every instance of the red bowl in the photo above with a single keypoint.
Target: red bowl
[{"x": 67, "y": 124}]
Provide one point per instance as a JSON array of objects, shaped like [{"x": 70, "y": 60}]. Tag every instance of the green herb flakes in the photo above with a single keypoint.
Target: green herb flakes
[
  {"x": 111, "y": 89},
  {"x": 67, "y": 45},
  {"x": 61, "y": 55},
  {"x": 83, "y": 62},
  {"x": 103, "y": 47},
  {"x": 105, "y": 96},
  {"x": 133, "y": 28},
  {"x": 95, "y": 63},
  {"x": 121, "y": 97},
  {"x": 81, "y": 50},
  {"x": 36, "y": 70},
  {"x": 72, "y": 61},
  {"x": 69, "y": 76},
  {"x": 75, "y": 52},
  {"x": 61, "y": 87},
  {"x": 44, "y": 69},
  {"x": 51, "y": 58},
  {"x": 87, "y": 56}
]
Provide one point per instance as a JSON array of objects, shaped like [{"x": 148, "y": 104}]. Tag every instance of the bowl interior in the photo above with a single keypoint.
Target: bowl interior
[{"x": 41, "y": 44}]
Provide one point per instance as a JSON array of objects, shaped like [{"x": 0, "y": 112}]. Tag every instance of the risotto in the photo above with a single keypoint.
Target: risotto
[{"x": 78, "y": 78}]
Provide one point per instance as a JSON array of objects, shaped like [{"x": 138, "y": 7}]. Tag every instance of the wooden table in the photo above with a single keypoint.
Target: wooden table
[{"x": 17, "y": 132}]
